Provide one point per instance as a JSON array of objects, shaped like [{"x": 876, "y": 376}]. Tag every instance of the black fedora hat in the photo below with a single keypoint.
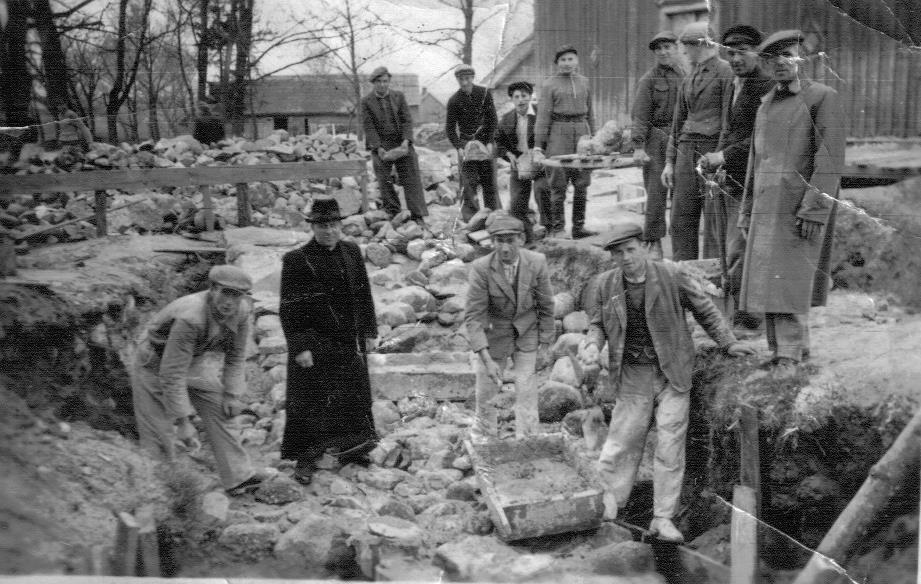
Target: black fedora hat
[{"x": 324, "y": 210}]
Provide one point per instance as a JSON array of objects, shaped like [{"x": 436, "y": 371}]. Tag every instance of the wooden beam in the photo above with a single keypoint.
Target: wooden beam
[
  {"x": 151, "y": 178},
  {"x": 744, "y": 536},
  {"x": 125, "y": 556},
  {"x": 244, "y": 209},
  {"x": 749, "y": 453},
  {"x": 100, "y": 201}
]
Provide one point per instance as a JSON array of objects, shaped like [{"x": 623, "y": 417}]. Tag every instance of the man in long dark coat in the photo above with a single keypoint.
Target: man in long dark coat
[
  {"x": 788, "y": 210},
  {"x": 327, "y": 314}
]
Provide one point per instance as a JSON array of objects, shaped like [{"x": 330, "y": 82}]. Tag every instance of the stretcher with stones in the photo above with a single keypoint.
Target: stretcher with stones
[
  {"x": 587, "y": 161},
  {"x": 536, "y": 486}
]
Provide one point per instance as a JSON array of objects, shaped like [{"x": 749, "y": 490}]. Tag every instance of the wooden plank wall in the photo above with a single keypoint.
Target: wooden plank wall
[{"x": 878, "y": 77}]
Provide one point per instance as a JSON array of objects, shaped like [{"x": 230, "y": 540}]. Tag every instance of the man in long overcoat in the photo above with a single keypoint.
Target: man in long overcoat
[
  {"x": 327, "y": 314},
  {"x": 509, "y": 314},
  {"x": 788, "y": 210},
  {"x": 703, "y": 99},
  {"x": 388, "y": 124},
  {"x": 653, "y": 109},
  {"x": 565, "y": 115}
]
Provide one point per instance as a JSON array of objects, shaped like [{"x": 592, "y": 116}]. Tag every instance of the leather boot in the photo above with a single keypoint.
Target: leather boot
[
  {"x": 578, "y": 232},
  {"x": 665, "y": 530}
]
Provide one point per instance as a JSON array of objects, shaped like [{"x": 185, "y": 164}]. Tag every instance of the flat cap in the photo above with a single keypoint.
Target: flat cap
[
  {"x": 780, "y": 40},
  {"x": 505, "y": 224},
  {"x": 231, "y": 277},
  {"x": 741, "y": 34},
  {"x": 696, "y": 32},
  {"x": 562, "y": 50},
  {"x": 378, "y": 72},
  {"x": 520, "y": 86},
  {"x": 464, "y": 69},
  {"x": 664, "y": 36},
  {"x": 622, "y": 232}
]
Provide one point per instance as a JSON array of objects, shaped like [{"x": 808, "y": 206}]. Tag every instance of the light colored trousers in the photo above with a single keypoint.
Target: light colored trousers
[
  {"x": 787, "y": 334},
  {"x": 155, "y": 425},
  {"x": 526, "y": 418},
  {"x": 642, "y": 388}
]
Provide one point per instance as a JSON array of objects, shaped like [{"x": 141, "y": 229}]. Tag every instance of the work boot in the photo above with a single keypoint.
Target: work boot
[
  {"x": 357, "y": 454},
  {"x": 303, "y": 471},
  {"x": 665, "y": 530},
  {"x": 578, "y": 232},
  {"x": 247, "y": 486},
  {"x": 610, "y": 506}
]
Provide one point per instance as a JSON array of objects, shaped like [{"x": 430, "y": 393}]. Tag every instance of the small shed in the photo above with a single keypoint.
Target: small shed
[{"x": 431, "y": 109}]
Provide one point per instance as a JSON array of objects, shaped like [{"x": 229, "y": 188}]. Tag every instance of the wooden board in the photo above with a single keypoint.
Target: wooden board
[
  {"x": 586, "y": 162},
  {"x": 744, "y": 536},
  {"x": 576, "y": 506},
  {"x": 151, "y": 178}
]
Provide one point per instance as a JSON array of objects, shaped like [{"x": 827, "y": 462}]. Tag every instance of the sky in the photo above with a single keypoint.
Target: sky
[{"x": 512, "y": 22}]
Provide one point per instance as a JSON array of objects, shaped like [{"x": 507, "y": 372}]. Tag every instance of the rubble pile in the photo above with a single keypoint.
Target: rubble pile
[{"x": 56, "y": 217}]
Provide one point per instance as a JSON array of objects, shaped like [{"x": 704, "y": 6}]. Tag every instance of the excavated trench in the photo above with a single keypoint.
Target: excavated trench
[{"x": 69, "y": 363}]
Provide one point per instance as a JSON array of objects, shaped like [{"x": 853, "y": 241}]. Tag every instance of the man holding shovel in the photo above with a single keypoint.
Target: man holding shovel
[{"x": 509, "y": 315}]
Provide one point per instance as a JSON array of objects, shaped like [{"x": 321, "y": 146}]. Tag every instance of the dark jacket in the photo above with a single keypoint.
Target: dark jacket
[
  {"x": 736, "y": 137},
  {"x": 507, "y": 134},
  {"x": 654, "y": 106},
  {"x": 702, "y": 104},
  {"x": 372, "y": 118},
  {"x": 470, "y": 117},
  {"x": 669, "y": 292}
]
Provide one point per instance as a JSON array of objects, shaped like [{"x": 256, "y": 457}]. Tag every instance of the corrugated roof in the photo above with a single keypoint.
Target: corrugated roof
[{"x": 319, "y": 94}]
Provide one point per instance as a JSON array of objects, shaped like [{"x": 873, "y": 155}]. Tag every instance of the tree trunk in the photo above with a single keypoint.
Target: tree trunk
[
  {"x": 241, "y": 68},
  {"x": 153, "y": 118},
  {"x": 884, "y": 478},
  {"x": 467, "y": 9},
  {"x": 53, "y": 62},
  {"x": 201, "y": 62},
  {"x": 354, "y": 79},
  {"x": 116, "y": 99},
  {"x": 16, "y": 89}
]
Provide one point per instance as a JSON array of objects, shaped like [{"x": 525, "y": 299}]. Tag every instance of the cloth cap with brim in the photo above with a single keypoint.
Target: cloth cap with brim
[
  {"x": 520, "y": 86},
  {"x": 505, "y": 224},
  {"x": 779, "y": 41},
  {"x": 231, "y": 277},
  {"x": 742, "y": 34},
  {"x": 665, "y": 36},
  {"x": 379, "y": 72},
  {"x": 696, "y": 32},
  {"x": 324, "y": 210},
  {"x": 464, "y": 69},
  {"x": 621, "y": 233},
  {"x": 562, "y": 50}
]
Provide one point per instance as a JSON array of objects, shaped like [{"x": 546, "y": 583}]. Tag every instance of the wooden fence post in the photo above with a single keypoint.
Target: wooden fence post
[
  {"x": 363, "y": 185},
  {"x": 7, "y": 254},
  {"x": 102, "y": 228},
  {"x": 749, "y": 454},
  {"x": 244, "y": 210},
  {"x": 744, "y": 536},
  {"x": 207, "y": 204},
  {"x": 125, "y": 557}
]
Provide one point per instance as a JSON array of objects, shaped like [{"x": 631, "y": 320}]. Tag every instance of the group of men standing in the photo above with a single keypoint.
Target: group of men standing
[
  {"x": 780, "y": 142},
  {"x": 771, "y": 142}
]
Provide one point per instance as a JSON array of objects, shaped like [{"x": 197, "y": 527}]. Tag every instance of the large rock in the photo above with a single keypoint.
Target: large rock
[
  {"x": 567, "y": 342},
  {"x": 378, "y": 254},
  {"x": 214, "y": 507},
  {"x": 384, "y": 479},
  {"x": 575, "y": 322},
  {"x": 439, "y": 375},
  {"x": 279, "y": 491},
  {"x": 623, "y": 559},
  {"x": 387, "y": 277},
  {"x": 399, "y": 531},
  {"x": 563, "y": 304},
  {"x": 249, "y": 540},
  {"x": 434, "y": 166},
  {"x": 268, "y": 325},
  {"x": 308, "y": 544},
  {"x": 394, "y": 508},
  {"x": 415, "y": 248},
  {"x": 449, "y": 279},
  {"x": 479, "y": 558},
  {"x": 273, "y": 345},
  {"x": 386, "y": 416},
  {"x": 403, "y": 339},
  {"x": 556, "y": 400},
  {"x": 396, "y": 314},
  {"x": 417, "y": 297},
  {"x": 564, "y": 372}
]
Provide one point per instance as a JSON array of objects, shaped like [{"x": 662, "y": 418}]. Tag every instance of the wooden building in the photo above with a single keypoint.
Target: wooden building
[
  {"x": 431, "y": 109},
  {"x": 304, "y": 103},
  {"x": 863, "y": 49},
  {"x": 520, "y": 64}
]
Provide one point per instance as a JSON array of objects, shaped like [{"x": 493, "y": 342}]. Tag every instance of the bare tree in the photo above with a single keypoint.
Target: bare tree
[
  {"x": 456, "y": 39},
  {"x": 125, "y": 73}
]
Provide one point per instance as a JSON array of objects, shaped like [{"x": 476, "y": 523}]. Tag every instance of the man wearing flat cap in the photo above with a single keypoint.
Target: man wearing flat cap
[
  {"x": 721, "y": 211},
  {"x": 470, "y": 124},
  {"x": 509, "y": 315},
  {"x": 389, "y": 125},
  {"x": 639, "y": 311},
  {"x": 703, "y": 99},
  {"x": 653, "y": 109},
  {"x": 564, "y": 116},
  {"x": 515, "y": 137},
  {"x": 788, "y": 209},
  {"x": 327, "y": 314},
  {"x": 174, "y": 375}
]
